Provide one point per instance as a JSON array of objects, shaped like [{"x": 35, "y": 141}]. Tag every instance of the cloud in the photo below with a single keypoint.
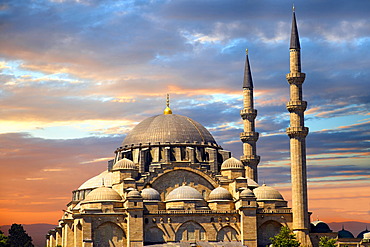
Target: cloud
[{"x": 81, "y": 74}]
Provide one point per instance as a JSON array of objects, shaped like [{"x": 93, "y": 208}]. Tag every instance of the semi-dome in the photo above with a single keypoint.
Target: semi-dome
[
  {"x": 104, "y": 178},
  {"x": 124, "y": 164},
  {"x": 170, "y": 128},
  {"x": 220, "y": 194},
  {"x": 267, "y": 193},
  {"x": 232, "y": 163},
  {"x": 247, "y": 193},
  {"x": 320, "y": 227},
  {"x": 345, "y": 234},
  {"x": 103, "y": 194},
  {"x": 184, "y": 193},
  {"x": 150, "y": 194},
  {"x": 251, "y": 183}
]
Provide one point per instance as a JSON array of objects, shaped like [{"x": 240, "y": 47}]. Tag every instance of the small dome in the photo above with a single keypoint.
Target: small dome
[
  {"x": 150, "y": 194},
  {"x": 320, "y": 227},
  {"x": 103, "y": 194},
  {"x": 184, "y": 193},
  {"x": 124, "y": 164},
  {"x": 362, "y": 234},
  {"x": 232, "y": 164},
  {"x": 268, "y": 193},
  {"x": 247, "y": 193},
  {"x": 220, "y": 194},
  {"x": 133, "y": 194},
  {"x": 345, "y": 234}
]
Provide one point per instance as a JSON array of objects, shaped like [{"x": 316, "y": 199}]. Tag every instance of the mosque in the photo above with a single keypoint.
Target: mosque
[{"x": 171, "y": 184}]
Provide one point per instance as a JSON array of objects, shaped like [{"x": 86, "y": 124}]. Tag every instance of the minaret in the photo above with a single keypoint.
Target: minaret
[
  {"x": 249, "y": 137},
  {"x": 297, "y": 133}
]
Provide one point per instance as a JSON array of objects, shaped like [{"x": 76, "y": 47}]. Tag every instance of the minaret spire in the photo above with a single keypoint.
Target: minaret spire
[
  {"x": 249, "y": 137},
  {"x": 297, "y": 133},
  {"x": 167, "y": 110}
]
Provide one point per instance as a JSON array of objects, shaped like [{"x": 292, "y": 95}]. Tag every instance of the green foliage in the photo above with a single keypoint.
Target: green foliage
[
  {"x": 327, "y": 242},
  {"x": 4, "y": 240},
  {"x": 18, "y": 237},
  {"x": 285, "y": 238}
]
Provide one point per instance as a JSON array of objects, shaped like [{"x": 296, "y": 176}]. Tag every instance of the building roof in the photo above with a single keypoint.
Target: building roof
[
  {"x": 124, "y": 164},
  {"x": 345, "y": 234},
  {"x": 184, "y": 193},
  {"x": 168, "y": 128},
  {"x": 267, "y": 193},
  {"x": 150, "y": 194},
  {"x": 220, "y": 194},
  {"x": 247, "y": 193},
  {"x": 103, "y": 194},
  {"x": 232, "y": 163},
  {"x": 104, "y": 178},
  {"x": 320, "y": 227},
  {"x": 133, "y": 194},
  {"x": 361, "y": 234}
]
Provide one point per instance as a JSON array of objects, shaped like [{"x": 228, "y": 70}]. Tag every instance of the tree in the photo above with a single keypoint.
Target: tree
[
  {"x": 327, "y": 242},
  {"x": 285, "y": 238},
  {"x": 4, "y": 240},
  {"x": 18, "y": 237}
]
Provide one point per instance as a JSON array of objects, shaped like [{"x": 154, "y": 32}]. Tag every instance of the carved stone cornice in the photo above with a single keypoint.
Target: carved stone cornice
[
  {"x": 296, "y": 78},
  {"x": 296, "y": 132},
  {"x": 296, "y": 106},
  {"x": 250, "y": 136},
  {"x": 249, "y": 114}
]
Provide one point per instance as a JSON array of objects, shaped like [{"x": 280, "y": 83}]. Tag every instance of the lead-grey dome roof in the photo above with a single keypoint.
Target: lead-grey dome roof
[
  {"x": 268, "y": 193},
  {"x": 168, "y": 128},
  {"x": 184, "y": 193}
]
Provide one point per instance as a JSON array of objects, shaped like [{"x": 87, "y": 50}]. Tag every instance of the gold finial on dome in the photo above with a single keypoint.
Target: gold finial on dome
[
  {"x": 168, "y": 109},
  {"x": 246, "y": 51}
]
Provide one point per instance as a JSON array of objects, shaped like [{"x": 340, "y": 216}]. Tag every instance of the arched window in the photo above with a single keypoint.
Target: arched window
[
  {"x": 109, "y": 234},
  {"x": 153, "y": 235},
  {"x": 227, "y": 234},
  {"x": 190, "y": 231},
  {"x": 266, "y": 231}
]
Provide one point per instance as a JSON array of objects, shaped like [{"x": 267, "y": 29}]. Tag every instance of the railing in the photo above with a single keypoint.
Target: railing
[
  {"x": 274, "y": 211},
  {"x": 194, "y": 212}
]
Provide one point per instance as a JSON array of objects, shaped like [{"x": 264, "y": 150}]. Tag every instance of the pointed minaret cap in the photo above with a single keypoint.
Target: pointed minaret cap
[
  {"x": 294, "y": 37},
  {"x": 248, "y": 82},
  {"x": 168, "y": 109}
]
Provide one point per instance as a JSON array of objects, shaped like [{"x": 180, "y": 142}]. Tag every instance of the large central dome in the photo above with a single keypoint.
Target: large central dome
[{"x": 170, "y": 128}]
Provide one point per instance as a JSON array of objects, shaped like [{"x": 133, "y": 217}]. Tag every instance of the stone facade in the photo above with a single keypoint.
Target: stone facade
[{"x": 171, "y": 183}]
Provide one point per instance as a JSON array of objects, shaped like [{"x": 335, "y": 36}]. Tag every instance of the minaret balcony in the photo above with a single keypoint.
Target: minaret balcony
[
  {"x": 295, "y": 78},
  {"x": 295, "y": 132},
  {"x": 249, "y": 114},
  {"x": 250, "y": 136},
  {"x": 250, "y": 160},
  {"x": 296, "y": 106}
]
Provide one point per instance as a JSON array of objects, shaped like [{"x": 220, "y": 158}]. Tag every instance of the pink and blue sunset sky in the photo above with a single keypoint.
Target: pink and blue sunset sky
[{"x": 76, "y": 76}]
